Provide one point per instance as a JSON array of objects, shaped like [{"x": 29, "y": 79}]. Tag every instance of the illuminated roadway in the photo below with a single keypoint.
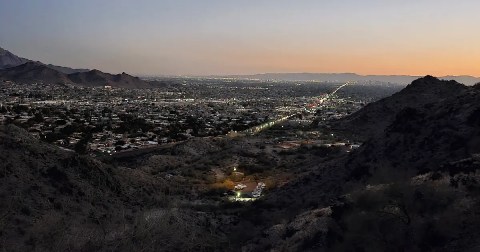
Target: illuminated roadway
[{"x": 264, "y": 126}]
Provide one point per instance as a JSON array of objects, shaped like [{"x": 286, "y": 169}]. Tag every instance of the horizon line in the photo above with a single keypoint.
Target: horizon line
[{"x": 280, "y": 73}]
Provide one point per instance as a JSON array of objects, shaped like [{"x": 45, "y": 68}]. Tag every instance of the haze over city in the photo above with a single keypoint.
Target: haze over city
[{"x": 238, "y": 37}]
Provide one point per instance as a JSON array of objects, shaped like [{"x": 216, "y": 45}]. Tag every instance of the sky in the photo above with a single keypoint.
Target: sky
[{"x": 223, "y": 37}]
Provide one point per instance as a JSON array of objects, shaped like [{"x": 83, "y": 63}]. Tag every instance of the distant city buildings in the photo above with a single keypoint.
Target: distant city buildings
[{"x": 109, "y": 120}]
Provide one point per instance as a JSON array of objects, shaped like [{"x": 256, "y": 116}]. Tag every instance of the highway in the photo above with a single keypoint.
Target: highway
[{"x": 267, "y": 125}]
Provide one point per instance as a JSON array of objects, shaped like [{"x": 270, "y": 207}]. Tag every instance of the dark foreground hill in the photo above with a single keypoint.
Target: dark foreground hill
[
  {"x": 422, "y": 137},
  {"x": 375, "y": 117},
  {"x": 56, "y": 200},
  {"x": 414, "y": 185},
  {"x": 37, "y": 72},
  {"x": 52, "y": 198}
]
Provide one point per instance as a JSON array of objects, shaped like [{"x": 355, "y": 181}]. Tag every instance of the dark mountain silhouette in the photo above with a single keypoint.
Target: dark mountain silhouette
[
  {"x": 98, "y": 78},
  {"x": 38, "y": 72},
  {"x": 33, "y": 72},
  {"x": 8, "y": 59},
  {"x": 429, "y": 123},
  {"x": 418, "y": 94},
  {"x": 67, "y": 70},
  {"x": 439, "y": 124},
  {"x": 344, "y": 77}
]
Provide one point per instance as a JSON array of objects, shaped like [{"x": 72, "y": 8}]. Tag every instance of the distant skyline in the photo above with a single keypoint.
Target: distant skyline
[{"x": 225, "y": 37}]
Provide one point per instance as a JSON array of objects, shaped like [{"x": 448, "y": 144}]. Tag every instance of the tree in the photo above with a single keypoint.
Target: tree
[{"x": 82, "y": 146}]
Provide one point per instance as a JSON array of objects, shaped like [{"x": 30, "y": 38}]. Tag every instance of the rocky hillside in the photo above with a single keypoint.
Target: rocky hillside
[
  {"x": 429, "y": 123},
  {"x": 412, "y": 186},
  {"x": 48, "y": 192},
  {"x": 376, "y": 117},
  {"x": 56, "y": 200}
]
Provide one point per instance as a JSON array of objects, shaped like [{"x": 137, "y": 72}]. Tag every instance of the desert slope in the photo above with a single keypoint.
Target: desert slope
[
  {"x": 375, "y": 117},
  {"x": 412, "y": 186}
]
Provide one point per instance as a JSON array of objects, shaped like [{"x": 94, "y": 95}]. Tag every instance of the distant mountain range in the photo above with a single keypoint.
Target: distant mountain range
[
  {"x": 33, "y": 72},
  {"x": 37, "y": 72},
  {"x": 97, "y": 78},
  {"x": 343, "y": 77},
  {"x": 8, "y": 59},
  {"x": 67, "y": 70},
  {"x": 21, "y": 70}
]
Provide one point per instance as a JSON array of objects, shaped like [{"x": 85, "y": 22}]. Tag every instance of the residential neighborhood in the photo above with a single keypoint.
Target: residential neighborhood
[{"x": 106, "y": 120}]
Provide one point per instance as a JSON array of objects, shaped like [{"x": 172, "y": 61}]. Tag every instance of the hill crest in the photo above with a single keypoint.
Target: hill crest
[{"x": 32, "y": 71}]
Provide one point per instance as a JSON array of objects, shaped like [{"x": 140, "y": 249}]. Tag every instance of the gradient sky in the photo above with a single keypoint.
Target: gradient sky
[{"x": 202, "y": 37}]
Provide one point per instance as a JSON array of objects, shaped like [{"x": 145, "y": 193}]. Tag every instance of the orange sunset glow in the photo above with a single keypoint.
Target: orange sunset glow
[{"x": 218, "y": 37}]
